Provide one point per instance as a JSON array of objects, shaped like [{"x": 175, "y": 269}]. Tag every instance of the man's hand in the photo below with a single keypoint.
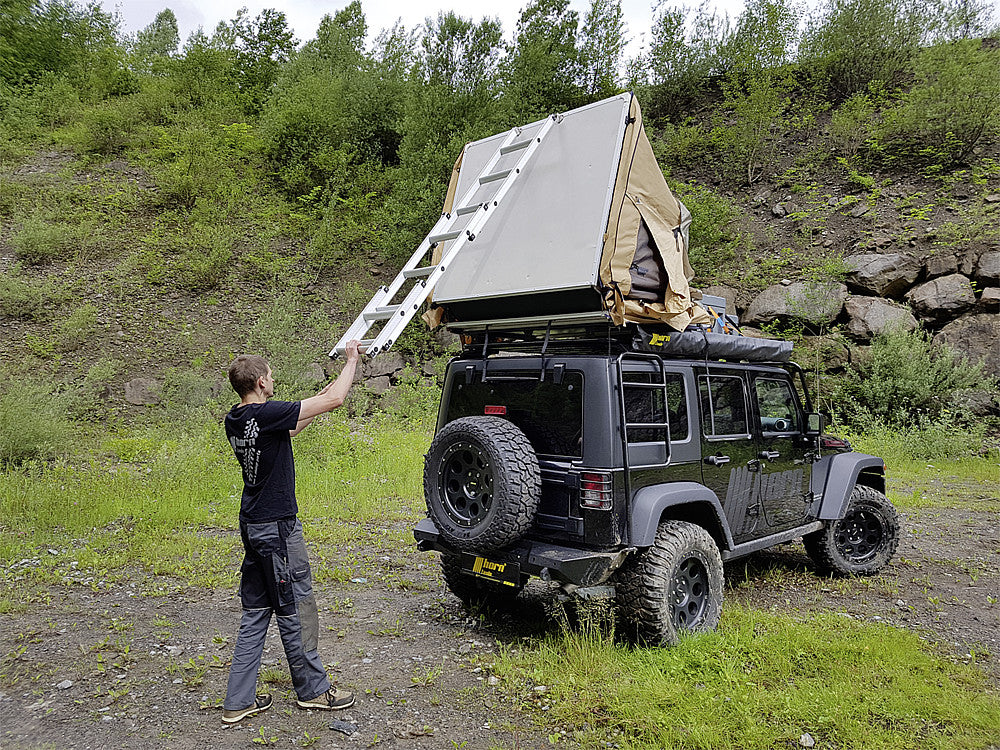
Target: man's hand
[{"x": 353, "y": 350}]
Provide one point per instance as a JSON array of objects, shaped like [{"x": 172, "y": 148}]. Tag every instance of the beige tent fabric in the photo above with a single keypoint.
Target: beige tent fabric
[{"x": 641, "y": 193}]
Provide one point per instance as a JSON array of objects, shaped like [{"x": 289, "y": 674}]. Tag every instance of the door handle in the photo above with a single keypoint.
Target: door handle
[
  {"x": 769, "y": 455},
  {"x": 717, "y": 460}
]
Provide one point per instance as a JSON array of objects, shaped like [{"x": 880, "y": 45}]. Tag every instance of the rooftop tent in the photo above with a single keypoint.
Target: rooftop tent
[{"x": 589, "y": 227}]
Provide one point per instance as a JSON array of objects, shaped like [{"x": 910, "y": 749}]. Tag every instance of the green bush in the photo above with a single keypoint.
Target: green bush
[
  {"x": 905, "y": 383},
  {"x": 849, "y": 44},
  {"x": 19, "y": 299},
  {"x": 109, "y": 128},
  {"x": 39, "y": 241},
  {"x": 78, "y": 327},
  {"x": 33, "y": 423},
  {"x": 953, "y": 106},
  {"x": 713, "y": 238}
]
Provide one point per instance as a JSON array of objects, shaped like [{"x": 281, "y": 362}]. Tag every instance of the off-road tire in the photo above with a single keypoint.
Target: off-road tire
[
  {"x": 481, "y": 483},
  {"x": 475, "y": 592},
  {"x": 862, "y": 542},
  {"x": 673, "y": 587}
]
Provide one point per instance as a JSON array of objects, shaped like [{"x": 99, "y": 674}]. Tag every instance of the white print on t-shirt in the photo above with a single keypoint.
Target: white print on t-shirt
[{"x": 246, "y": 451}]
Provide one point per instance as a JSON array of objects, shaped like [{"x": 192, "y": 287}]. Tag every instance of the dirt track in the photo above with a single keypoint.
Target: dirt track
[{"x": 150, "y": 671}]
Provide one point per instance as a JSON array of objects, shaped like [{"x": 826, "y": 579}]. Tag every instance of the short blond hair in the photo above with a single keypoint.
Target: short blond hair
[{"x": 245, "y": 371}]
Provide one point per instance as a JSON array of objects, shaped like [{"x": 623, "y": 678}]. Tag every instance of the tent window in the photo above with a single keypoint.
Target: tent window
[{"x": 649, "y": 277}]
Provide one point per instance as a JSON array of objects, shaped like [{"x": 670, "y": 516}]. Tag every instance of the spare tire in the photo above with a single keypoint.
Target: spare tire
[{"x": 481, "y": 483}]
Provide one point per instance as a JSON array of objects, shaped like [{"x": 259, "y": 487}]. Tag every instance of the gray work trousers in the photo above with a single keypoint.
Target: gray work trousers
[{"x": 276, "y": 578}]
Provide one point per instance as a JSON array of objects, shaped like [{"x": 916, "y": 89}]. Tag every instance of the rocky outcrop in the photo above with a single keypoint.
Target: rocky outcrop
[
  {"x": 942, "y": 299},
  {"x": 882, "y": 274},
  {"x": 813, "y": 302},
  {"x": 868, "y": 316},
  {"x": 975, "y": 336}
]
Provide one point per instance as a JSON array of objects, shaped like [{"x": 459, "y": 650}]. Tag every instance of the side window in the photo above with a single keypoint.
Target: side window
[
  {"x": 723, "y": 406},
  {"x": 646, "y": 405},
  {"x": 776, "y": 403}
]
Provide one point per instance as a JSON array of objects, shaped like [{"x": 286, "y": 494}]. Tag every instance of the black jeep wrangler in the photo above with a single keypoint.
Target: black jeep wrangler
[{"x": 597, "y": 461}]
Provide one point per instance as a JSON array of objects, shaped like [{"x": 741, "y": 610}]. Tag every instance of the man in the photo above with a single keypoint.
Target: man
[{"x": 275, "y": 576}]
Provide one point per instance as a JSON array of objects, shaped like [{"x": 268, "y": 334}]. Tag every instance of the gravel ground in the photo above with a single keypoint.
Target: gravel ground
[{"x": 144, "y": 665}]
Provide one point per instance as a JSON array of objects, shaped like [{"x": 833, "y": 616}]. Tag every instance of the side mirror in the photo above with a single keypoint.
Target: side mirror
[{"x": 815, "y": 424}]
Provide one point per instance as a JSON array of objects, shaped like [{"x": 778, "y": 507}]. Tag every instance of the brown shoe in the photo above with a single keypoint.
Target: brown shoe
[
  {"x": 331, "y": 700},
  {"x": 262, "y": 703}
]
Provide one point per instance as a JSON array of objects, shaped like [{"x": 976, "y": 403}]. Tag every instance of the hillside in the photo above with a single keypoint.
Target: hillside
[{"x": 163, "y": 209}]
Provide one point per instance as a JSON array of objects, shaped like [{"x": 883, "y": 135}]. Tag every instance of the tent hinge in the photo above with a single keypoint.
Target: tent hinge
[{"x": 629, "y": 120}]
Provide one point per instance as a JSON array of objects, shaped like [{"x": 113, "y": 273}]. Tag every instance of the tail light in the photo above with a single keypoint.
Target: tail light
[
  {"x": 595, "y": 490},
  {"x": 835, "y": 444}
]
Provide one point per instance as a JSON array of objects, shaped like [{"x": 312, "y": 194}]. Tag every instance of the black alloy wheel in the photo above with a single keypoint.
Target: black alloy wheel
[{"x": 467, "y": 481}]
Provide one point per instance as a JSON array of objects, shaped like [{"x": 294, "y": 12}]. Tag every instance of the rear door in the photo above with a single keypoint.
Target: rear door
[
  {"x": 729, "y": 448},
  {"x": 784, "y": 468}
]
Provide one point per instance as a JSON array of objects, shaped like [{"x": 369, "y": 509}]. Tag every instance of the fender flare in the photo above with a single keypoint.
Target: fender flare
[
  {"x": 649, "y": 504},
  {"x": 841, "y": 474}
]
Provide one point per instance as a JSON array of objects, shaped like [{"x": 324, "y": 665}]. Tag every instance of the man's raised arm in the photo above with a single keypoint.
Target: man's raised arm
[{"x": 333, "y": 395}]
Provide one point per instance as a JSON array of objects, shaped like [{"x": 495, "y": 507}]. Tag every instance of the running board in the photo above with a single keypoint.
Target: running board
[{"x": 748, "y": 548}]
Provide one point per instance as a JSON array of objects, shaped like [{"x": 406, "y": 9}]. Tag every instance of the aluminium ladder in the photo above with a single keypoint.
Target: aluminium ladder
[{"x": 453, "y": 225}]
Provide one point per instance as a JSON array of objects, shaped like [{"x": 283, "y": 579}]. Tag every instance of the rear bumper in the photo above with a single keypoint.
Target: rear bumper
[{"x": 550, "y": 562}]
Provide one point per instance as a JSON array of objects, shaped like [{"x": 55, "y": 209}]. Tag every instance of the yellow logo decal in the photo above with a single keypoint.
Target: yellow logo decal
[
  {"x": 659, "y": 339},
  {"x": 485, "y": 567}
]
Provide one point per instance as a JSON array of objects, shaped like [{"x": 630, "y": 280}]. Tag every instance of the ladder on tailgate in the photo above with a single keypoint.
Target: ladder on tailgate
[{"x": 461, "y": 224}]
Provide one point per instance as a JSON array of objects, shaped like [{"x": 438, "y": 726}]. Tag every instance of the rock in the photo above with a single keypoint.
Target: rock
[
  {"x": 728, "y": 293},
  {"x": 871, "y": 315},
  {"x": 344, "y": 727},
  {"x": 314, "y": 374},
  {"x": 974, "y": 336},
  {"x": 882, "y": 274},
  {"x": 881, "y": 241},
  {"x": 65, "y": 685},
  {"x": 379, "y": 384},
  {"x": 941, "y": 263},
  {"x": 990, "y": 298},
  {"x": 387, "y": 364},
  {"x": 806, "y": 740},
  {"x": 812, "y": 302},
  {"x": 778, "y": 210},
  {"x": 859, "y": 210},
  {"x": 429, "y": 369},
  {"x": 992, "y": 198},
  {"x": 988, "y": 267},
  {"x": 942, "y": 299},
  {"x": 143, "y": 391}
]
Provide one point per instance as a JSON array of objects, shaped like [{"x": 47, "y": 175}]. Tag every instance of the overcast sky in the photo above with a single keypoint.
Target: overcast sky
[{"x": 304, "y": 15}]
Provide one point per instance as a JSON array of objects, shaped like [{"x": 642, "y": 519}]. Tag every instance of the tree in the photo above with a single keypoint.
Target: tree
[
  {"x": 602, "y": 47},
  {"x": 543, "y": 69},
  {"x": 157, "y": 41},
  {"x": 260, "y": 47}
]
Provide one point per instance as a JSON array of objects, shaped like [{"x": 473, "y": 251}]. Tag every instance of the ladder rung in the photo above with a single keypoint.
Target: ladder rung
[
  {"x": 436, "y": 238},
  {"x": 416, "y": 273},
  {"x": 646, "y": 425},
  {"x": 648, "y": 386},
  {"x": 382, "y": 313},
  {"x": 494, "y": 177},
  {"x": 363, "y": 344},
  {"x": 516, "y": 146},
  {"x": 468, "y": 209}
]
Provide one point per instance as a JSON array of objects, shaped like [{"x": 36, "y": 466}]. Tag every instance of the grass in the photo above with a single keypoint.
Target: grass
[
  {"x": 166, "y": 500},
  {"x": 760, "y": 681}
]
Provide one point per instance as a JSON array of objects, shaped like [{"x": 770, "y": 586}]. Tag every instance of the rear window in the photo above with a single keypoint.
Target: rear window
[{"x": 550, "y": 414}]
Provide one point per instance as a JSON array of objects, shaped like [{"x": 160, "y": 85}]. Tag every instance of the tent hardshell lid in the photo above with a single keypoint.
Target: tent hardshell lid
[{"x": 590, "y": 216}]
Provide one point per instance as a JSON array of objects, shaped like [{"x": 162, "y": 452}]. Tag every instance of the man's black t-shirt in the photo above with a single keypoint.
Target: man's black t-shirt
[{"x": 260, "y": 439}]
